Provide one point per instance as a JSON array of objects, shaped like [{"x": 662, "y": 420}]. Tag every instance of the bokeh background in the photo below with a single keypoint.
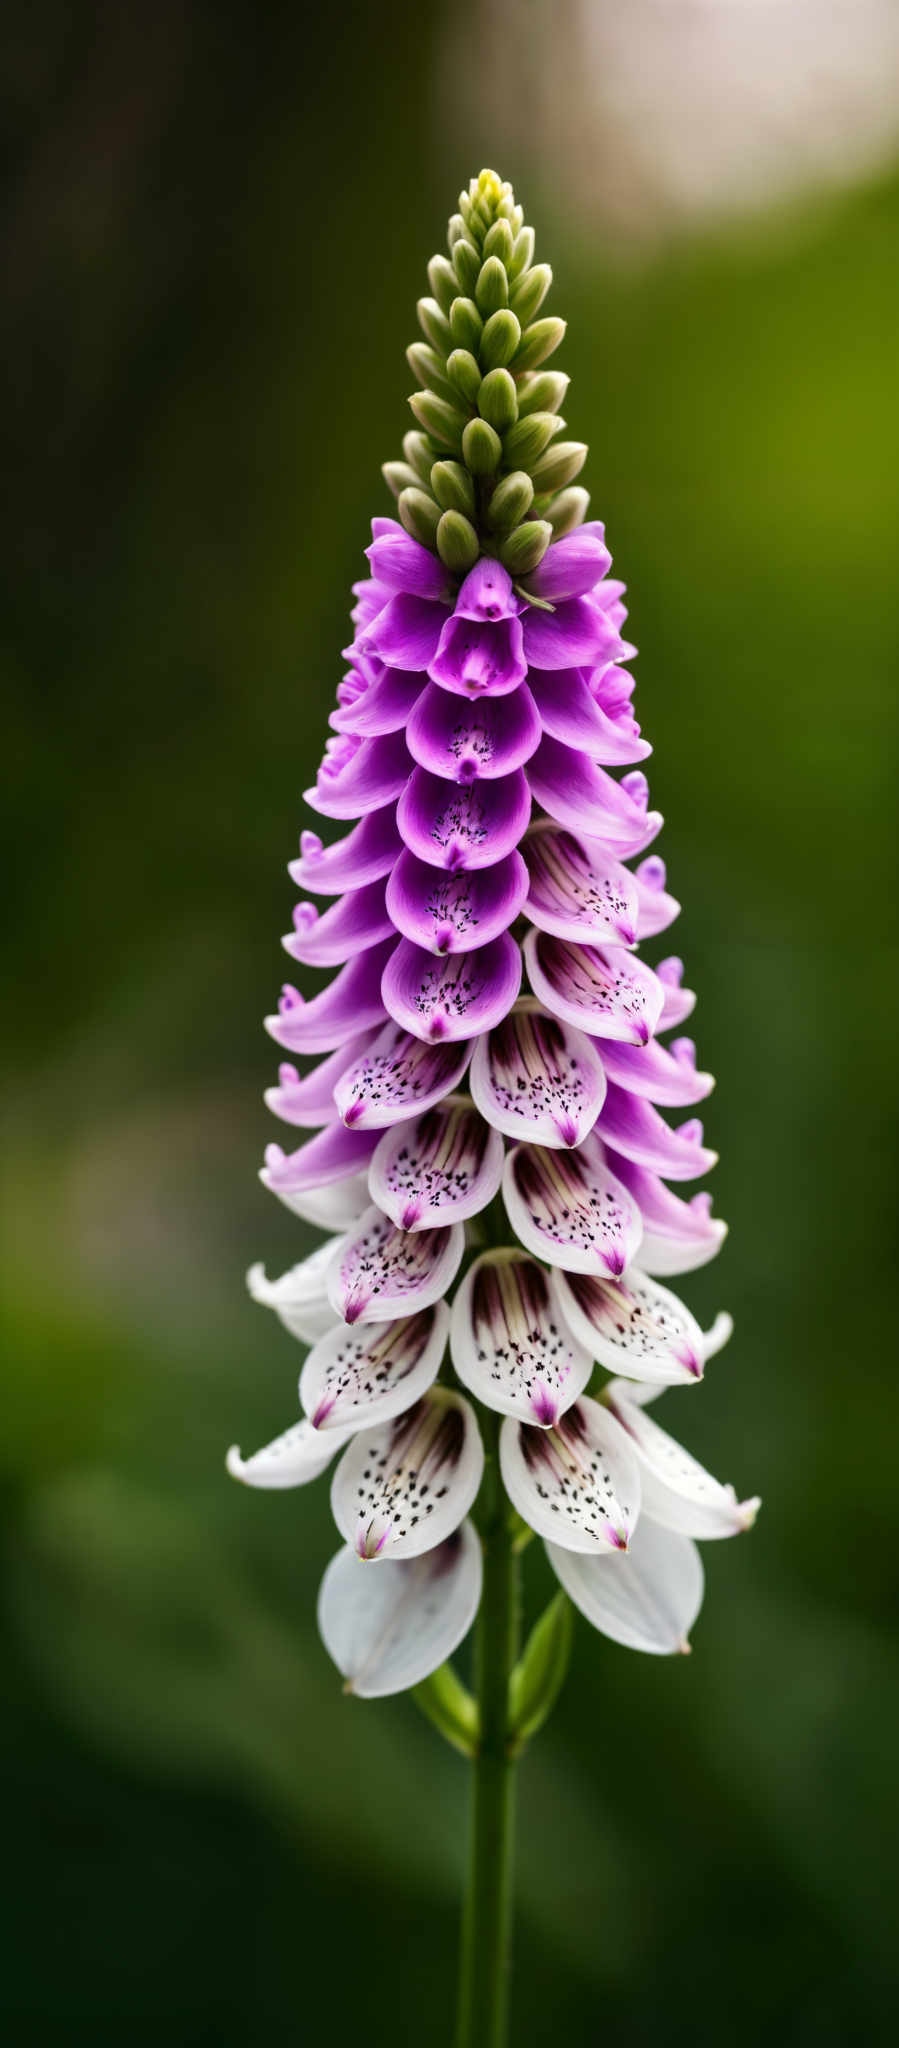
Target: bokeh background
[{"x": 216, "y": 224}]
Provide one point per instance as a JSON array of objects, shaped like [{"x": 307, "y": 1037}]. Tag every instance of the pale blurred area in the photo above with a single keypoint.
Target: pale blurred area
[{"x": 636, "y": 117}]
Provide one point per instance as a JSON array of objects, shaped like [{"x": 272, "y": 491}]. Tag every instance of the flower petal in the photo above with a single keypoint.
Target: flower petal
[
  {"x": 308, "y": 1099},
  {"x": 535, "y": 1078},
  {"x": 487, "y": 592},
  {"x": 578, "y": 634},
  {"x": 387, "y": 1632},
  {"x": 351, "y": 1003},
  {"x": 676, "y": 1490},
  {"x": 379, "y": 1272},
  {"x": 576, "y": 893},
  {"x": 354, "y": 1378},
  {"x": 466, "y": 742},
  {"x": 576, "y": 1483},
  {"x": 679, "y": 1001},
  {"x": 453, "y": 996},
  {"x": 479, "y": 658},
  {"x": 454, "y": 825},
  {"x": 383, "y": 705},
  {"x": 647, "y": 1600},
  {"x": 333, "y": 1154},
  {"x": 300, "y": 1454},
  {"x": 357, "y": 920},
  {"x": 367, "y": 853},
  {"x": 397, "y": 1075},
  {"x": 656, "y": 910},
  {"x": 583, "y": 797},
  {"x": 605, "y": 990},
  {"x": 403, "y": 1488},
  {"x": 569, "y": 1209},
  {"x": 664, "y": 1073},
  {"x": 677, "y": 1236},
  {"x": 632, "y": 1326},
  {"x": 361, "y": 781},
  {"x": 631, "y": 1125},
  {"x": 569, "y": 712},
  {"x": 451, "y": 913},
  {"x": 300, "y": 1297},
  {"x": 405, "y": 633},
  {"x": 442, "y": 1168},
  {"x": 404, "y": 564},
  {"x": 510, "y": 1346},
  {"x": 572, "y": 565}
]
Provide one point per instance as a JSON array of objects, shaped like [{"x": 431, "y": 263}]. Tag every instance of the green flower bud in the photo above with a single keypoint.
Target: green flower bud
[
  {"x": 499, "y": 340},
  {"x": 559, "y": 466},
  {"x": 434, "y": 325},
  {"x": 510, "y": 501},
  {"x": 442, "y": 280},
  {"x": 492, "y": 288},
  {"x": 455, "y": 230},
  {"x": 464, "y": 373},
  {"x": 522, "y": 253},
  {"x": 419, "y": 515},
  {"x": 466, "y": 325},
  {"x": 399, "y": 477},
  {"x": 524, "y": 444},
  {"x": 429, "y": 368},
  {"x": 482, "y": 448},
  {"x": 499, "y": 241},
  {"x": 498, "y": 400},
  {"x": 523, "y": 549},
  {"x": 457, "y": 542},
  {"x": 419, "y": 452},
  {"x": 440, "y": 419},
  {"x": 465, "y": 207},
  {"x": 539, "y": 342},
  {"x": 453, "y": 488},
  {"x": 466, "y": 265},
  {"x": 568, "y": 510},
  {"x": 542, "y": 392},
  {"x": 528, "y": 293}
]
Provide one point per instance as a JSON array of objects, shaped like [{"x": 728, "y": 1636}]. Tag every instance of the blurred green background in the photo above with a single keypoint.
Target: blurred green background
[{"x": 216, "y": 226}]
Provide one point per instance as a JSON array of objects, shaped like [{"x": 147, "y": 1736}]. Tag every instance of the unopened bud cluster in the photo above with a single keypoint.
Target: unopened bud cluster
[{"x": 485, "y": 472}]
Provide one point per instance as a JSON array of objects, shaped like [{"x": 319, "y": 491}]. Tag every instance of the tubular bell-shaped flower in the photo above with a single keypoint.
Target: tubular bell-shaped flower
[{"x": 484, "y": 1111}]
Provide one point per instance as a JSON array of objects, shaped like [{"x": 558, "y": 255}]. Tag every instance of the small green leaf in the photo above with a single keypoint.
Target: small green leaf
[
  {"x": 449, "y": 1705},
  {"x": 540, "y": 1673}
]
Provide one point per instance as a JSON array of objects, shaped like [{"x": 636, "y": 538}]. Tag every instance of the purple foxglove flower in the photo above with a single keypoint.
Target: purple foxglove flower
[{"x": 486, "y": 1076}]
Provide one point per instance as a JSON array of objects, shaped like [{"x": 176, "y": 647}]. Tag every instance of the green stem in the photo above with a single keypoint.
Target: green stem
[{"x": 484, "y": 1957}]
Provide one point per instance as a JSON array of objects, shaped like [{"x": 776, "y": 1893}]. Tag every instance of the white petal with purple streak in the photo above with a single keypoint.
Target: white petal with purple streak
[
  {"x": 677, "y": 1491},
  {"x": 577, "y": 891},
  {"x": 403, "y": 1488},
  {"x": 570, "y": 1209},
  {"x": 509, "y": 1344},
  {"x": 535, "y": 1078},
  {"x": 632, "y": 1326},
  {"x": 380, "y": 1272},
  {"x": 603, "y": 989},
  {"x": 355, "y": 1378},
  {"x": 443, "y": 1167},
  {"x": 396, "y": 1076},
  {"x": 577, "y": 1483}
]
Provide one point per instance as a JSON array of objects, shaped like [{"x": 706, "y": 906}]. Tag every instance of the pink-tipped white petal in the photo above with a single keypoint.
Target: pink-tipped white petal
[
  {"x": 454, "y": 996},
  {"x": 380, "y": 1272},
  {"x": 397, "y": 1077},
  {"x": 569, "y": 1208},
  {"x": 307, "y": 1100},
  {"x": 332, "y": 1206},
  {"x": 455, "y": 913},
  {"x": 632, "y": 1326},
  {"x": 603, "y": 989},
  {"x": 631, "y": 1126},
  {"x": 292, "y": 1459},
  {"x": 677, "y": 1236},
  {"x": 577, "y": 893},
  {"x": 535, "y": 1078},
  {"x": 647, "y": 1600},
  {"x": 353, "y": 1379},
  {"x": 509, "y": 1344},
  {"x": 300, "y": 1296},
  {"x": 663, "y": 1073},
  {"x": 676, "y": 1490},
  {"x": 386, "y": 1632},
  {"x": 357, "y": 920},
  {"x": 576, "y": 1484},
  {"x": 443, "y": 1167},
  {"x": 351, "y": 1003},
  {"x": 403, "y": 1488}
]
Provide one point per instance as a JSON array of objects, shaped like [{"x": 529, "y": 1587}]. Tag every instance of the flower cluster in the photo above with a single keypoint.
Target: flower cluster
[{"x": 494, "y": 1049}]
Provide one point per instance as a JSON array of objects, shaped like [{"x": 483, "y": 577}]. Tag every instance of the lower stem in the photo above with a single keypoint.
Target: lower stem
[{"x": 484, "y": 1957}]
